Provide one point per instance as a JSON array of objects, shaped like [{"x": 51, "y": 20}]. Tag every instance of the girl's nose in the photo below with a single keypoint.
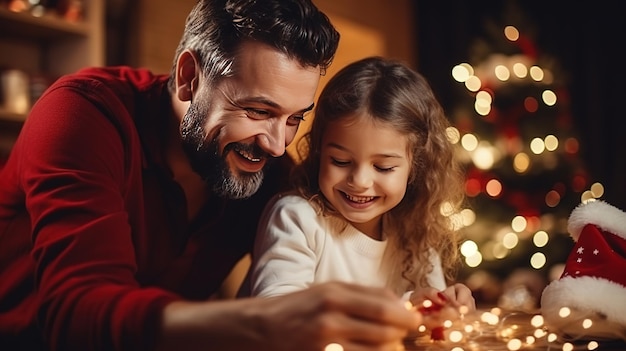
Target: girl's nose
[{"x": 361, "y": 177}]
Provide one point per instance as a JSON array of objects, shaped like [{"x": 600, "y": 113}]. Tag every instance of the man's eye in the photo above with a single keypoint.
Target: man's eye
[
  {"x": 295, "y": 120},
  {"x": 256, "y": 113}
]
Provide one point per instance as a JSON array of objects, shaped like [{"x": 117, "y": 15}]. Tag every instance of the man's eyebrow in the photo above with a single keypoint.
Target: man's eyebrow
[{"x": 273, "y": 104}]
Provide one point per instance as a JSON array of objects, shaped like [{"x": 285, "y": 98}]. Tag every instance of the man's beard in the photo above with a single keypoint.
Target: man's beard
[{"x": 206, "y": 160}]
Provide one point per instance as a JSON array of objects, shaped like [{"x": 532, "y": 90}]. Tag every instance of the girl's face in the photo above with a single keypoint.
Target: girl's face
[{"x": 364, "y": 170}]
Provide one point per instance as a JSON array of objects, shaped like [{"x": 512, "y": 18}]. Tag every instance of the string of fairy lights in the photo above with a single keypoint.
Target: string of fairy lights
[{"x": 497, "y": 330}]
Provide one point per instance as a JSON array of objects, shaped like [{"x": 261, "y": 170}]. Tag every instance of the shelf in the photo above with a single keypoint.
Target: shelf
[
  {"x": 49, "y": 26},
  {"x": 11, "y": 117},
  {"x": 46, "y": 46}
]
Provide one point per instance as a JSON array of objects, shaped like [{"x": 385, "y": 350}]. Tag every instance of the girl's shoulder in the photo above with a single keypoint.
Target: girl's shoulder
[{"x": 291, "y": 203}]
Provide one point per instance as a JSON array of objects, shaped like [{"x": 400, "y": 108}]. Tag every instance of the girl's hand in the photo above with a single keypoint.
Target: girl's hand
[
  {"x": 459, "y": 295},
  {"x": 438, "y": 306}
]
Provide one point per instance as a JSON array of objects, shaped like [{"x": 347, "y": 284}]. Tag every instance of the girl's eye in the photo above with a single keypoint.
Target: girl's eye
[
  {"x": 338, "y": 162},
  {"x": 384, "y": 169}
]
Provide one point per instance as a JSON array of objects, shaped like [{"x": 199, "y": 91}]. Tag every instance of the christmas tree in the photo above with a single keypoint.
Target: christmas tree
[{"x": 513, "y": 128}]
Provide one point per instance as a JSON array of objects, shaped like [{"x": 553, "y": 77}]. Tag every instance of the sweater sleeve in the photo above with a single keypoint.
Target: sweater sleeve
[
  {"x": 75, "y": 164},
  {"x": 284, "y": 258}
]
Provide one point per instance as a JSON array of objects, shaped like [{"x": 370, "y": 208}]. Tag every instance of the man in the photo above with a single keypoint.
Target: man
[{"x": 128, "y": 197}]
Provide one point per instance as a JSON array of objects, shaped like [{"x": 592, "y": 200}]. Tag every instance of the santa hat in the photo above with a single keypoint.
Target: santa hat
[{"x": 593, "y": 284}]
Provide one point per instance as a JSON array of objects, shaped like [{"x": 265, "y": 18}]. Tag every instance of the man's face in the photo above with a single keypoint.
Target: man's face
[{"x": 231, "y": 131}]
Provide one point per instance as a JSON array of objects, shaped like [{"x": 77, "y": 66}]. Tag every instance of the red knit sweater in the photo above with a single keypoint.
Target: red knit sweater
[{"x": 94, "y": 237}]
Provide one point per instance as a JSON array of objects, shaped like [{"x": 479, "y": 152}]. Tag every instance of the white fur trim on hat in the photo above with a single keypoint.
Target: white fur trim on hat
[
  {"x": 607, "y": 217},
  {"x": 599, "y": 300}
]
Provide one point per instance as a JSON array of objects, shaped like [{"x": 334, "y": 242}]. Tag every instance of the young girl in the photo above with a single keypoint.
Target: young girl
[{"x": 378, "y": 169}]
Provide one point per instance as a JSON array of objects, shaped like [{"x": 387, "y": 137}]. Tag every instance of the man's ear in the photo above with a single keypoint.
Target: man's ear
[{"x": 187, "y": 74}]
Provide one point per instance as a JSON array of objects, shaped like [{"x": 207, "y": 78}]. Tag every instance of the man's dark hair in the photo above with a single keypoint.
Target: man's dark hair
[{"x": 215, "y": 29}]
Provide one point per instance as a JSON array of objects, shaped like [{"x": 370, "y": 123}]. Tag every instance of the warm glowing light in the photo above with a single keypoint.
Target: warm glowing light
[
  {"x": 502, "y": 73},
  {"x": 484, "y": 97},
  {"x": 540, "y": 333},
  {"x": 511, "y": 33},
  {"x": 549, "y": 97},
  {"x": 493, "y": 188},
  {"x": 455, "y": 336},
  {"x": 552, "y": 142},
  {"x": 408, "y": 305},
  {"x": 468, "y": 217},
  {"x": 489, "y": 318},
  {"x": 538, "y": 260},
  {"x": 552, "y": 337},
  {"x": 454, "y": 136},
  {"x": 510, "y": 240},
  {"x": 456, "y": 348},
  {"x": 333, "y": 347},
  {"x": 518, "y": 223},
  {"x": 473, "y": 83},
  {"x": 537, "y": 320},
  {"x": 483, "y": 157},
  {"x": 469, "y": 142},
  {"x": 592, "y": 345},
  {"x": 499, "y": 251},
  {"x": 586, "y": 196},
  {"x": 461, "y": 73},
  {"x": 564, "y": 312},
  {"x": 553, "y": 198},
  {"x": 536, "y": 73},
  {"x": 475, "y": 260},
  {"x": 540, "y": 239},
  {"x": 446, "y": 209},
  {"x": 521, "y": 162},
  {"x": 520, "y": 70},
  {"x": 427, "y": 304},
  {"x": 587, "y": 323},
  {"x": 464, "y": 310},
  {"x": 481, "y": 108},
  {"x": 537, "y": 146},
  {"x": 568, "y": 346},
  {"x": 469, "y": 248},
  {"x": 597, "y": 190},
  {"x": 514, "y": 344}
]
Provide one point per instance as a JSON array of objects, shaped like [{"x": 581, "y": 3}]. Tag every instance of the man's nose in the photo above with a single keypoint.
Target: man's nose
[{"x": 273, "y": 140}]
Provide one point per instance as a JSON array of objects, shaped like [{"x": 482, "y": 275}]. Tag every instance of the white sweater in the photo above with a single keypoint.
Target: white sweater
[{"x": 295, "y": 248}]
